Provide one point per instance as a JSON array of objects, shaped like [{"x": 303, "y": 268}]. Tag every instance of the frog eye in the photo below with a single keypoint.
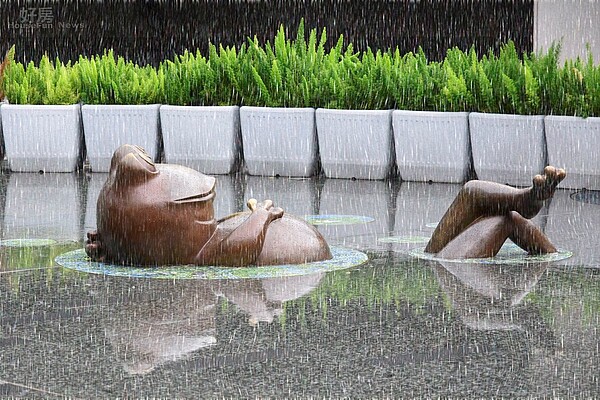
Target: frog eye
[
  {"x": 141, "y": 153},
  {"x": 133, "y": 169},
  {"x": 144, "y": 156}
]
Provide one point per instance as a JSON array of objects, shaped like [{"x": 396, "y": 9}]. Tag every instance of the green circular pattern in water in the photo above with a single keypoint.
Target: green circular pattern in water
[
  {"x": 342, "y": 258},
  {"x": 334, "y": 219},
  {"x": 404, "y": 239},
  {"x": 27, "y": 242},
  {"x": 510, "y": 253},
  {"x": 587, "y": 196}
]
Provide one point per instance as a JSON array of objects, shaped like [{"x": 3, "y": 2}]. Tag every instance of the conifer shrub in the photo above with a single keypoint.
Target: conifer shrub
[
  {"x": 49, "y": 83},
  {"x": 108, "y": 79},
  {"x": 302, "y": 72}
]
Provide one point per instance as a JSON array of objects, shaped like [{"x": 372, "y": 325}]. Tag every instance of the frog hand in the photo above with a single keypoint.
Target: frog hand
[{"x": 266, "y": 205}]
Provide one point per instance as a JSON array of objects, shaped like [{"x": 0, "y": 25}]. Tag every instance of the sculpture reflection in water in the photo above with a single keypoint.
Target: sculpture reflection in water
[
  {"x": 485, "y": 214},
  {"x": 489, "y": 297},
  {"x": 162, "y": 214},
  {"x": 162, "y": 321}
]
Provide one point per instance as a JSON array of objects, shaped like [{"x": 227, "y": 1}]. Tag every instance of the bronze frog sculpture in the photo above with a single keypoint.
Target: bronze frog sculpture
[
  {"x": 162, "y": 214},
  {"x": 485, "y": 214}
]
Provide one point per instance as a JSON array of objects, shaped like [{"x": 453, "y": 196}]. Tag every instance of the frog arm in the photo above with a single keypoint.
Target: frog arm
[{"x": 239, "y": 247}]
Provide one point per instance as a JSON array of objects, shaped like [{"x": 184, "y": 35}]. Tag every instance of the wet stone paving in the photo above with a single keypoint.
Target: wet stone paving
[{"x": 397, "y": 326}]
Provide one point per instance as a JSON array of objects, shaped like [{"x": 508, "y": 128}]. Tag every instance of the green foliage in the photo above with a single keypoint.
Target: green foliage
[
  {"x": 192, "y": 79},
  {"x": 186, "y": 79},
  {"x": 301, "y": 72},
  {"x": 109, "y": 80},
  {"x": 289, "y": 73},
  {"x": 412, "y": 79},
  {"x": 225, "y": 68},
  {"x": 458, "y": 81},
  {"x": 47, "y": 83},
  {"x": 369, "y": 83},
  {"x": 545, "y": 70},
  {"x": 591, "y": 82},
  {"x": 570, "y": 89},
  {"x": 532, "y": 88},
  {"x": 330, "y": 86},
  {"x": 482, "y": 92},
  {"x": 508, "y": 83},
  {"x": 15, "y": 86},
  {"x": 573, "y": 88},
  {"x": 8, "y": 60}
]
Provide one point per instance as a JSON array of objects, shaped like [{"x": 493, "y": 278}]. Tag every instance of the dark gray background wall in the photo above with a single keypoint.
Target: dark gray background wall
[{"x": 148, "y": 31}]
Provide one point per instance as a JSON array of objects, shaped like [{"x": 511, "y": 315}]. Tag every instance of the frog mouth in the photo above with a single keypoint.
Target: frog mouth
[{"x": 197, "y": 197}]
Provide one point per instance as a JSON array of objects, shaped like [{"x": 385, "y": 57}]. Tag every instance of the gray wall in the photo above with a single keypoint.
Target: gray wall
[{"x": 576, "y": 22}]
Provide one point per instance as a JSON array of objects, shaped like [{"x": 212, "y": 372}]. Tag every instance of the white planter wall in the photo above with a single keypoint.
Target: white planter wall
[
  {"x": 94, "y": 186},
  {"x": 42, "y": 138},
  {"x": 432, "y": 146},
  {"x": 204, "y": 138},
  {"x": 574, "y": 144},
  {"x": 355, "y": 144},
  {"x": 507, "y": 148},
  {"x": 1, "y": 139},
  {"x": 42, "y": 206},
  {"x": 106, "y": 127},
  {"x": 279, "y": 141}
]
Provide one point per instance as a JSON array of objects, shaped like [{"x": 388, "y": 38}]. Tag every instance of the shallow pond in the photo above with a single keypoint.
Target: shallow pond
[{"x": 397, "y": 326}]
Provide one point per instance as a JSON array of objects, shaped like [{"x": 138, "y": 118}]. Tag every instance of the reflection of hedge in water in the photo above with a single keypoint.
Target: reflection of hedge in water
[
  {"x": 39, "y": 259},
  {"x": 384, "y": 280},
  {"x": 149, "y": 31},
  {"x": 582, "y": 298},
  {"x": 398, "y": 347},
  {"x": 26, "y": 257}
]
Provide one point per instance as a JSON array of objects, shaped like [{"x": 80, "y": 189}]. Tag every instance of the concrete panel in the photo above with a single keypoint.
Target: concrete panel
[{"x": 575, "y": 22}]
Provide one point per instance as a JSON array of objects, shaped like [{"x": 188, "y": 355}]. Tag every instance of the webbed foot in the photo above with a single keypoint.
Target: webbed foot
[
  {"x": 94, "y": 248},
  {"x": 544, "y": 185}
]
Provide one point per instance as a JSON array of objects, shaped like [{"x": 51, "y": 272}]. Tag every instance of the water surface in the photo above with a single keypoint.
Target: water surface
[{"x": 397, "y": 326}]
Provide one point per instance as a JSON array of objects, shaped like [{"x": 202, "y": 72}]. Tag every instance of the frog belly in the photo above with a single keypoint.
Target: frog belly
[{"x": 289, "y": 240}]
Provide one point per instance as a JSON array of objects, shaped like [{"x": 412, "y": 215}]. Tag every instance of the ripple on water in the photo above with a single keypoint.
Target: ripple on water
[
  {"x": 342, "y": 258},
  {"x": 27, "y": 242},
  {"x": 510, "y": 253},
  {"x": 587, "y": 196},
  {"x": 404, "y": 239},
  {"x": 335, "y": 219}
]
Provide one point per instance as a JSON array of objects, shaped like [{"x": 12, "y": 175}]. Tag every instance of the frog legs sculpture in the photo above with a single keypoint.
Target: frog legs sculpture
[{"x": 485, "y": 214}]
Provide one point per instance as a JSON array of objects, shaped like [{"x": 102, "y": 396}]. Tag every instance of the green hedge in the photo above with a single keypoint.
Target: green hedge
[
  {"x": 301, "y": 72},
  {"x": 47, "y": 83},
  {"x": 106, "y": 80}
]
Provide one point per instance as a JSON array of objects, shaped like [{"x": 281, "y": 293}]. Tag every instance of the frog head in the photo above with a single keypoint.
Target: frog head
[{"x": 151, "y": 213}]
